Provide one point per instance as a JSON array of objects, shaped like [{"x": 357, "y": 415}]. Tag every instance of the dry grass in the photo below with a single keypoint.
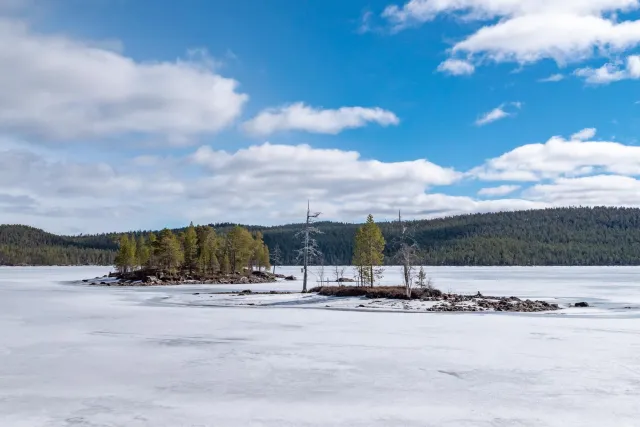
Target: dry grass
[{"x": 393, "y": 292}]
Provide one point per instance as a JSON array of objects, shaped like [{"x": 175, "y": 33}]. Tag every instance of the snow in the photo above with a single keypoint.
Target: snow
[{"x": 76, "y": 355}]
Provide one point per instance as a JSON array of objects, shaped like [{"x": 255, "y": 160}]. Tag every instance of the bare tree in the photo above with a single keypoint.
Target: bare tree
[
  {"x": 321, "y": 273},
  {"x": 276, "y": 258},
  {"x": 338, "y": 272},
  {"x": 407, "y": 254},
  {"x": 309, "y": 250}
]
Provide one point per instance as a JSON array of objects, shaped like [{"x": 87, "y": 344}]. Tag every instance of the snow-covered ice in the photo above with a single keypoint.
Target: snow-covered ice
[{"x": 75, "y": 355}]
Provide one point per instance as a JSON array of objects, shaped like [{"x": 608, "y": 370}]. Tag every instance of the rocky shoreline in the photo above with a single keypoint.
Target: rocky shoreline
[
  {"x": 444, "y": 302},
  {"x": 146, "y": 278}
]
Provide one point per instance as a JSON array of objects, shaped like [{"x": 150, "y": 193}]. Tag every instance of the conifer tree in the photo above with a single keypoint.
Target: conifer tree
[
  {"x": 190, "y": 246},
  {"x": 368, "y": 251},
  {"x": 239, "y": 248},
  {"x": 122, "y": 261},
  {"x": 207, "y": 261},
  {"x": 152, "y": 261},
  {"x": 225, "y": 266},
  {"x": 168, "y": 251},
  {"x": 142, "y": 252}
]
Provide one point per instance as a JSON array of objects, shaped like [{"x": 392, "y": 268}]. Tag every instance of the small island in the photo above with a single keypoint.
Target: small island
[{"x": 199, "y": 255}]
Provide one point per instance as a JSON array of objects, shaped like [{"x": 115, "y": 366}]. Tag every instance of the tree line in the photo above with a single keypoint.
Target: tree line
[
  {"x": 196, "y": 250},
  {"x": 563, "y": 236}
]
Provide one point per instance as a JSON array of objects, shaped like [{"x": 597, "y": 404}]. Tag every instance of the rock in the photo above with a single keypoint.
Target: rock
[
  {"x": 85, "y": 280},
  {"x": 346, "y": 279},
  {"x": 581, "y": 304},
  {"x": 290, "y": 278},
  {"x": 361, "y": 306},
  {"x": 246, "y": 292},
  {"x": 197, "y": 293}
]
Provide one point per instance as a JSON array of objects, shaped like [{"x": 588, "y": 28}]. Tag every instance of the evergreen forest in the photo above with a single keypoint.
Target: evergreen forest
[{"x": 562, "y": 236}]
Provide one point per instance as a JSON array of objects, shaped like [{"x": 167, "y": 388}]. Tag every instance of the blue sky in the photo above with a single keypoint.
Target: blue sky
[{"x": 138, "y": 114}]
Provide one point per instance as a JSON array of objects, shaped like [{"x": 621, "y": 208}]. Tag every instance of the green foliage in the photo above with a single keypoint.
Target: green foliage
[
  {"x": 126, "y": 259},
  {"x": 190, "y": 248},
  {"x": 207, "y": 246},
  {"x": 168, "y": 251},
  {"x": 239, "y": 248},
  {"x": 368, "y": 250},
  {"x": 142, "y": 252}
]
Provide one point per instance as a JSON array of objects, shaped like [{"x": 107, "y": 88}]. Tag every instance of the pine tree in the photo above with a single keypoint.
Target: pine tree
[
  {"x": 239, "y": 248},
  {"x": 225, "y": 267},
  {"x": 152, "y": 260},
  {"x": 126, "y": 259},
  {"x": 142, "y": 252},
  {"x": 190, "y": 247},
  {"x": 368, "y": 251},
  {"x": 264, "y": 258},
  {"x": 207, "y": 262},
  {"x": 168, "y": 251},
  {"x": 122, "y": 262}
]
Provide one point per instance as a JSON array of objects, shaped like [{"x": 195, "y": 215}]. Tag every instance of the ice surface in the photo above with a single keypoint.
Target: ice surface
[{"x": 74, "y": 355}]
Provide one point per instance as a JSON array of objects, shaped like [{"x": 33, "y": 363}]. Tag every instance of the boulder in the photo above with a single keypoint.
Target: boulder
[
  {"x": 346, "y": 279},
  {"x": 581, "y": 304},
  {"x": 290, "y": 278}
]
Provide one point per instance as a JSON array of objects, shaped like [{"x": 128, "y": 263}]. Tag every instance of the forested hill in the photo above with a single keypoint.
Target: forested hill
[{"x": 567, "y": 236}]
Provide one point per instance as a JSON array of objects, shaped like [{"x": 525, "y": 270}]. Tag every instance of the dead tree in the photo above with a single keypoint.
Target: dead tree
[
  {"x": 276, "y": 258},
  {"x": 406, "y": 255},
  {"x": 309, "y": 250},
  {"x": 338, "y": 272}
]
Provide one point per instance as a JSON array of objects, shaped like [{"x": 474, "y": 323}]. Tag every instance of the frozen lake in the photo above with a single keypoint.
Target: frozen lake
[{"x": 79, "y": 356}]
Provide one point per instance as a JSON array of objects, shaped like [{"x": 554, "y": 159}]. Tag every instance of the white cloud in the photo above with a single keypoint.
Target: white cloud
[
  {"x": 259, "y": 184},
  {"x": 501, "y": 190},
  {"x": 526, "y": 31},
  {"x": 269, "y": 184},
  {"x": 611, "y": 72},
  {"x": 498, "y": 113},
  {"x": 300, "y": 117},
  {"x": 61, "y": 88},
  {"x": 559, "y": 158},
  {"x": 597, "y": 190},
  {"x": 584, "y": 134},
  {"x": 554, "y": 78},
  {"x": 456, "y": 67}
]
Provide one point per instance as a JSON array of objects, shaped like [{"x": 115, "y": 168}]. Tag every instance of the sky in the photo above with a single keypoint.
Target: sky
[{"x": 122, "y": 115}]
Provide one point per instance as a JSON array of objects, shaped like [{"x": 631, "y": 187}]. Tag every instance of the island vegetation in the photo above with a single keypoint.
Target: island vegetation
[{"x": 197, "y": 254}]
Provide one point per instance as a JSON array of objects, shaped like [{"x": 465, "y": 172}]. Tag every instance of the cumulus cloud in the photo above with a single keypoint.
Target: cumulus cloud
[
  {"x": 501, "y": 190},
  {"x": 258, "y": 184},
  {"x": 526, "y": 31},
  {"x": 60, "y": 88},
  {"x": 597, "y": 190},
  {"x": 300, "y": 117},
  {"x": 499, "y": 113},
  {"x": 456, "y": 67},
  {"x": 270, "y": 183},
  {"x": 611, "y": 72},
  {"x": 558, "y": 158}
]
